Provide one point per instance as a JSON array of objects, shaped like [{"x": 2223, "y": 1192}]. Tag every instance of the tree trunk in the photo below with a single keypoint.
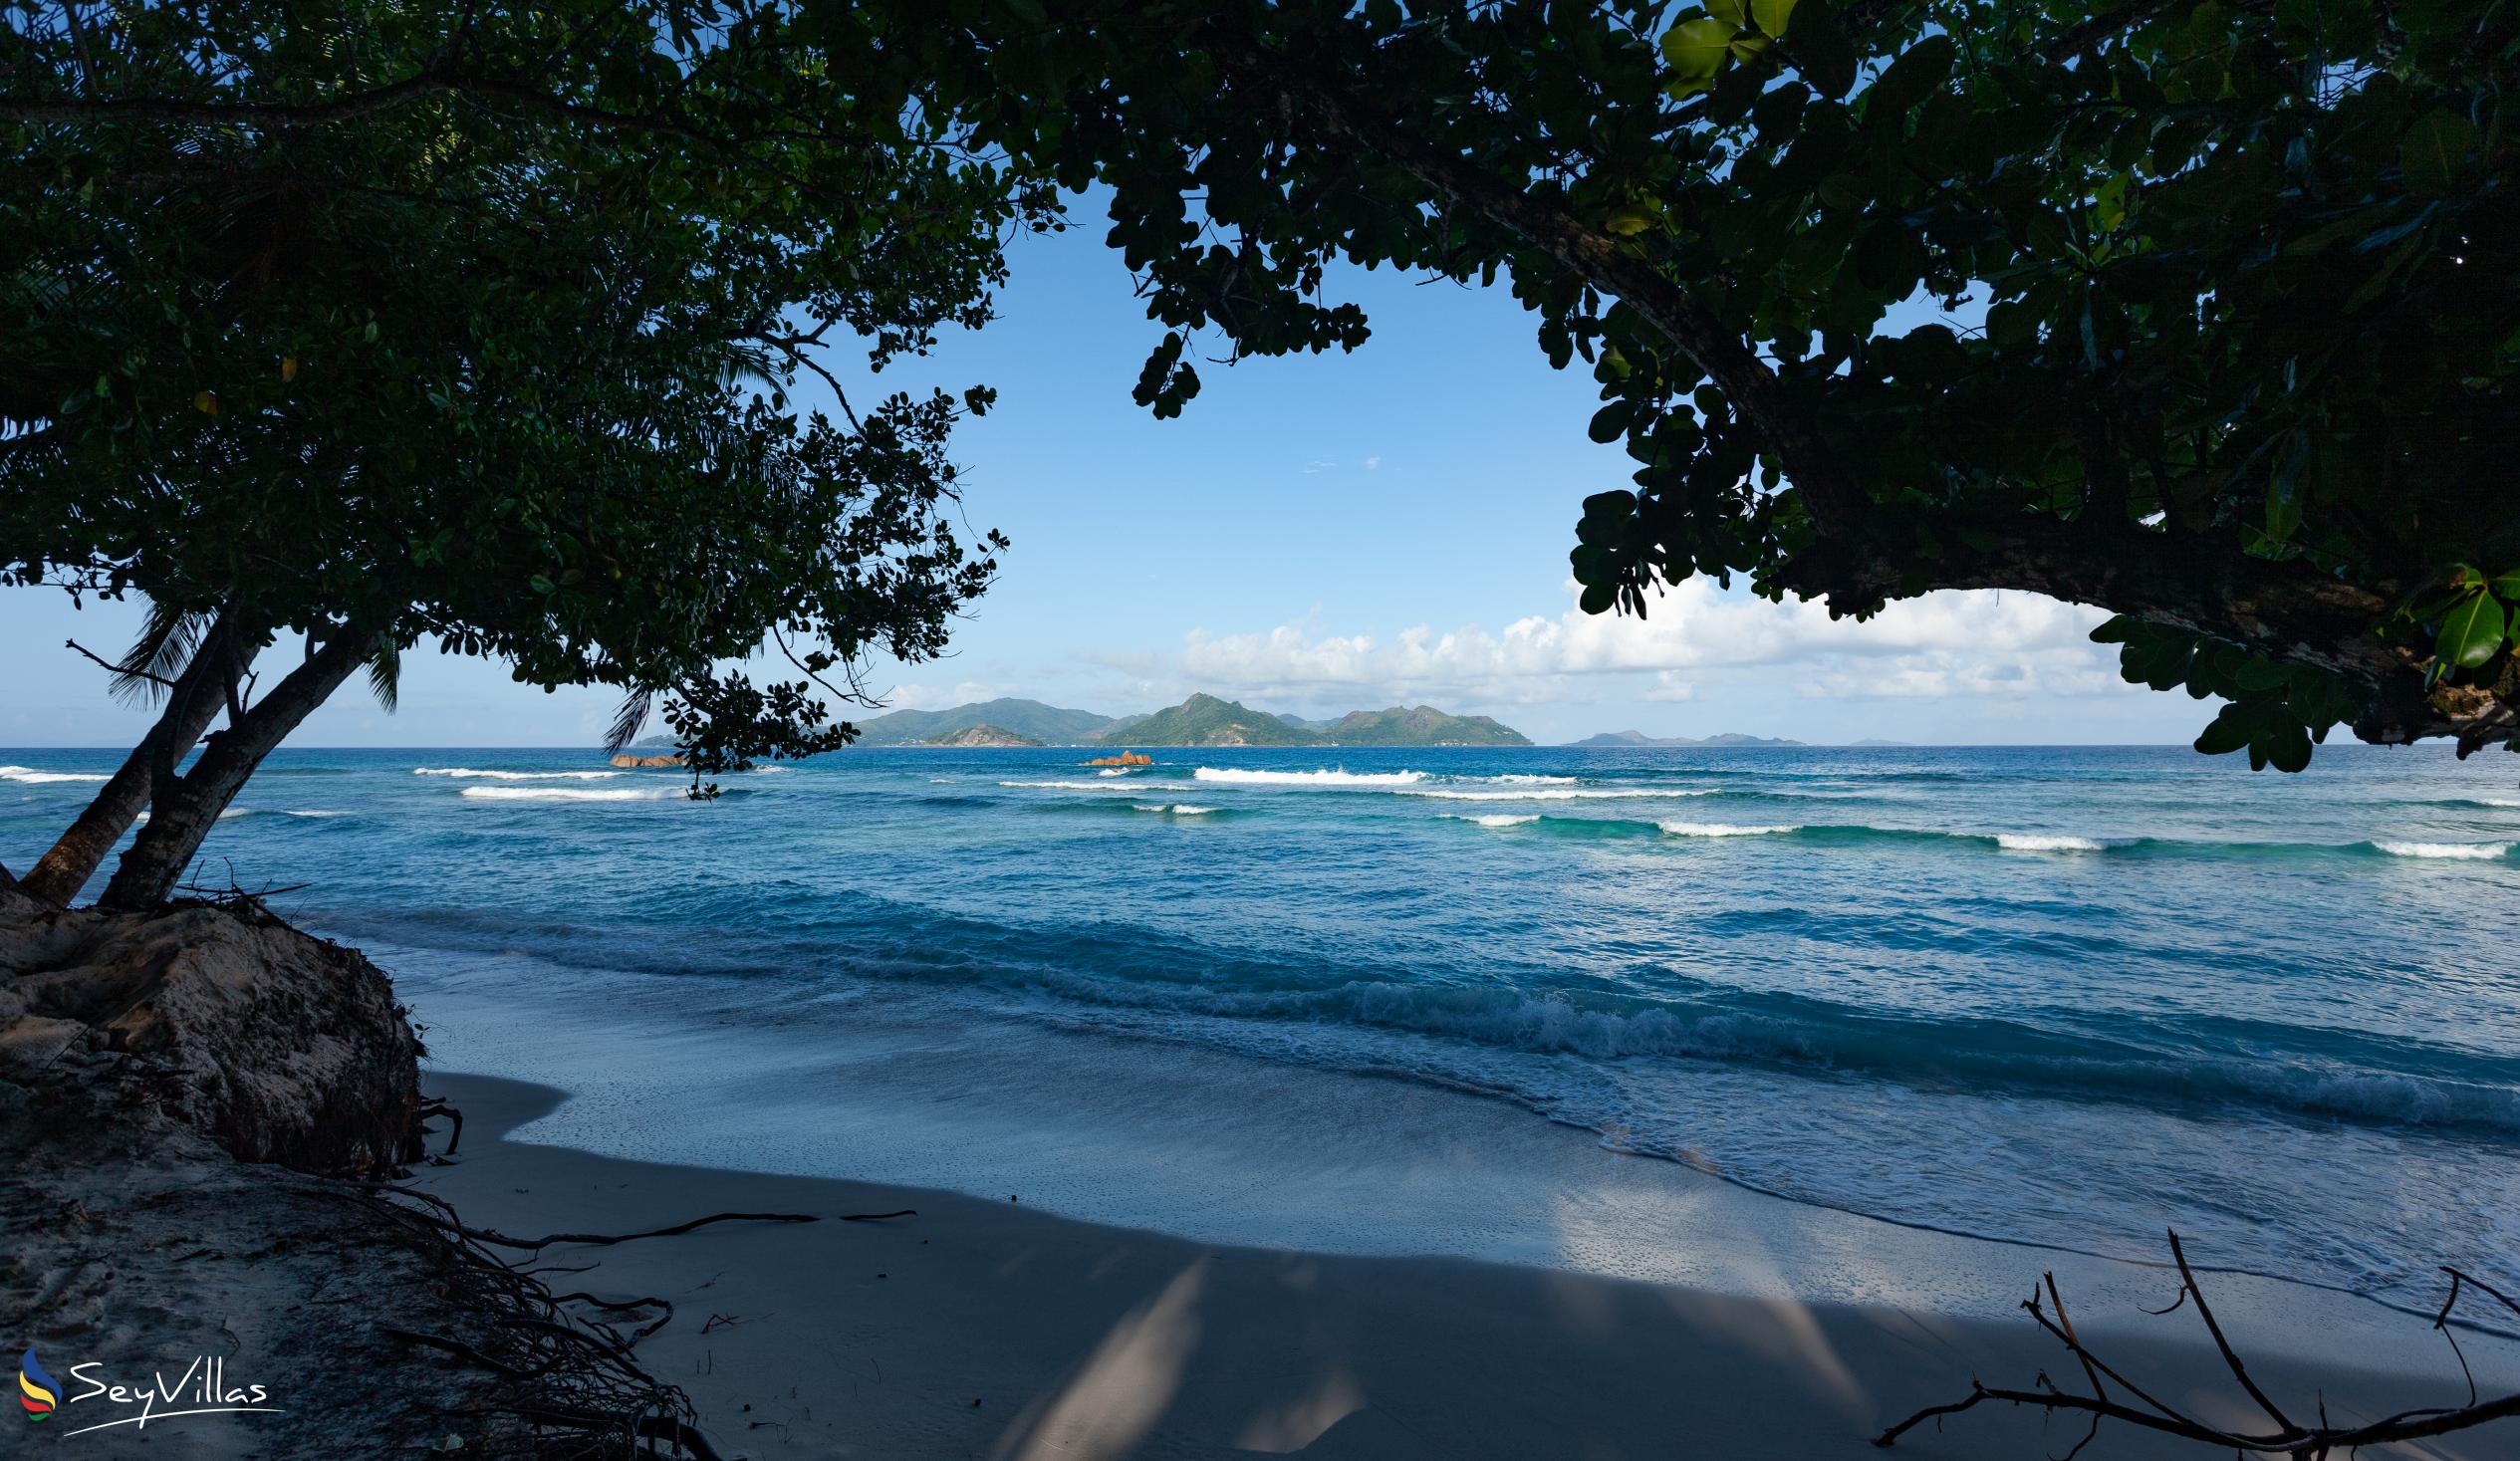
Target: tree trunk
[
  {"x": 186, "y": 806},
  {"x": 191, "y": 704}
]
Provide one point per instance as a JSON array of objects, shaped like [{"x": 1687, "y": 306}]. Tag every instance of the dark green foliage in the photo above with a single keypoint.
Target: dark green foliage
[
  {"x": 480, "y": 324},
  {"x": 2232, "y": 300}
]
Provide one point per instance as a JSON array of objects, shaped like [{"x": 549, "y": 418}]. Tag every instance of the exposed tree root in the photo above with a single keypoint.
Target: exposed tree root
[
  {"x": 2288, "y": 1437},
  {"x": 607, "y": 1240},
  {"x": 570, "y": 1374}
]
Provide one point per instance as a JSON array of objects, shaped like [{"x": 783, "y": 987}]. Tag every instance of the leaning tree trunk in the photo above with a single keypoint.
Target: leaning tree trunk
[
  {"x": 192, "y": 702},
  {"x": 186, "y": 806}
]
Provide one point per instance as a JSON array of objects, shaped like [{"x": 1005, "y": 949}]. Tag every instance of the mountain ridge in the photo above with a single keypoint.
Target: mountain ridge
[
  {"x": 1639, "y": 738},
  {"x": 1201, "y": 720},
  {"x": 1047, "y": 724}
]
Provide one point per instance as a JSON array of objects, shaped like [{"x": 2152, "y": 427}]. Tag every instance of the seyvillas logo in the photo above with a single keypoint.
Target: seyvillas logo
[
  {"x": 204, "y": 1388},
  {"x": 36, "y": 1389}
]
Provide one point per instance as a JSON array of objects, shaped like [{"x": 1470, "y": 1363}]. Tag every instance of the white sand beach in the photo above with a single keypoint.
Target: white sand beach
[{"x": 986, "y": 1327}]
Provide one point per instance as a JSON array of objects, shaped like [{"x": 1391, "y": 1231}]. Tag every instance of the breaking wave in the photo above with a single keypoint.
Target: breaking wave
[
  {"x": 574, "y": 793},
  {"x": 2474, "y": 852},
  {"x": 1235, "y": 776},
  {"x": 32, "y": 777},
  {"x": 469, "y": 773},
  {"x": 1601, "y": 794}
]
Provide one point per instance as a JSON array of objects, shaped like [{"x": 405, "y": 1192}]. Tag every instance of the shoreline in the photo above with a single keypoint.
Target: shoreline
[
  {"x": 1237, "y": 1150},
  {"x": 1082, "y": 1339}
]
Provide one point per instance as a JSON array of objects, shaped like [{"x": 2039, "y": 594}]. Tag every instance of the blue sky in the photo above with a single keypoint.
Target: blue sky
[{"x": 1315, "y": 534}]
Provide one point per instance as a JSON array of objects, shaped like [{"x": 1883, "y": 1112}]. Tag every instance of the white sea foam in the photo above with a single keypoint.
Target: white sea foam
[
  {"x": 31, "y": 776},
  {"x": 1114, "y": 771},
  {"x": 573, "y": 794},
  {"x": 1067, "y": 786},
  {"x": 1720, "y": 828},
  {"x": 2499, "y": 801},
  {"x": 2476, "y": 852},
  {"x": 1177, "y": 809},
  {"x": 1603, "y": 794},
  {"x": 467, "y": 773},
  {"x": 1521, "y": 779},
  {"x": 1235, "y": 776},
  {"x": 1494, "y": 819},
  {"x": 315, "y": 814},
  {"x": 2025, "y": 842}
]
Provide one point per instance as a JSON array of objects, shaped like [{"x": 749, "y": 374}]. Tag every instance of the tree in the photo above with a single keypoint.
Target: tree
[
  {"x": 2201, "y": 312},
  {"x": 376, "y": 324}
]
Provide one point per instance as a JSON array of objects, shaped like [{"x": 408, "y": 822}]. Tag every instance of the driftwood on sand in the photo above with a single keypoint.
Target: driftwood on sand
[{"x": 2130, "y": 1405}]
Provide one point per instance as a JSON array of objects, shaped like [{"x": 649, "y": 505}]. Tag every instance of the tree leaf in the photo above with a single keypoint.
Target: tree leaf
[
  {"x": 2471, "y": 632},
  {"x": 1697, "y": 49},
  {"x": 2434, "y": 150},
  {"x": 1821, "y": 51},
  {"x": 1772, "y": 15},
  {"x": 2228, "y": 732},
  {"x": 1628, "y": 220}
]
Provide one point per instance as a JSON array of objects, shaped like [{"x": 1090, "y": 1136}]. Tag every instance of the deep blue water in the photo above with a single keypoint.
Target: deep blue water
[{"x": 2060, "y": 994}]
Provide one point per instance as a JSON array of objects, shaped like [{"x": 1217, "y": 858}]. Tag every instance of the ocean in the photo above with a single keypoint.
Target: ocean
[{"x": 2063, "y": 996}]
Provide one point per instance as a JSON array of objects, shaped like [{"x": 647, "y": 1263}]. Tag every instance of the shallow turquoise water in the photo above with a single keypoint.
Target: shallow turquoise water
[{"x": 2060, "y": 994}]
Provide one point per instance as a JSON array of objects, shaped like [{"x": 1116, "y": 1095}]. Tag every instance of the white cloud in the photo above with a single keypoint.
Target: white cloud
[
  {"x": 937, "y": 697},
  {"x": 1373, "y": 462},
  {"x": 1952, "y": 643}
]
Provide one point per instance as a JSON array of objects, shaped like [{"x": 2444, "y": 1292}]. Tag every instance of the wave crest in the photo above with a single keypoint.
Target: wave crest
[
  {"x": 469, "y": 773},
  {"x": 1721, "y": 829},
  {"x": 1236, "y": 776},
  {"x": 1601, "y": 794},
  {"x": 2474, "y": 852},
  {"x": 573, "y": 794}
]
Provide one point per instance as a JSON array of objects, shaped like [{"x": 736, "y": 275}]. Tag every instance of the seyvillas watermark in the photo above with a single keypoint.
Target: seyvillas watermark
[{"x": 204, "y": 1388}]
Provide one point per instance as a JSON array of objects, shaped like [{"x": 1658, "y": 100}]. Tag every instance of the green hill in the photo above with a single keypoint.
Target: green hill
[
  {"x": 980, "y": 735},
  {"x": 1423, "y": 726},
  {"x": 1204, "y": 720},
  {"x": 1639, "y": 738},
  {"x": 1047, "y": 724}
]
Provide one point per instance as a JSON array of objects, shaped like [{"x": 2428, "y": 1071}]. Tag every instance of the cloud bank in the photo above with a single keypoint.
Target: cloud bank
[{"x": 1978, "y": 642}]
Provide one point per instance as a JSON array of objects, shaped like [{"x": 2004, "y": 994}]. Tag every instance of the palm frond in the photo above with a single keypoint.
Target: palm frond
[
  {"x": 385, "y": 674},
  {"x": 630, "y": 719},
  {"x": 162, "y": 653}
]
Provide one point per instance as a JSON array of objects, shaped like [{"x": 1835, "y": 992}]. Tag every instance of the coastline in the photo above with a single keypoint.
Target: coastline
[{"x": 1080, "y": 1339}]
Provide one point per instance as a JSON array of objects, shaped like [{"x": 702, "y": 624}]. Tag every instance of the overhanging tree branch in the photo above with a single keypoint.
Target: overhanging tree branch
[{"x": 1834, "y": 499}]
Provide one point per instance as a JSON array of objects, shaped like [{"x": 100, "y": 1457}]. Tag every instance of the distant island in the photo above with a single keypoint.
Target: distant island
[
  {"x": 1201, "y": 720},
  {"x": 980, "y": 735},
  {"x": 1617, "y": 739}
]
